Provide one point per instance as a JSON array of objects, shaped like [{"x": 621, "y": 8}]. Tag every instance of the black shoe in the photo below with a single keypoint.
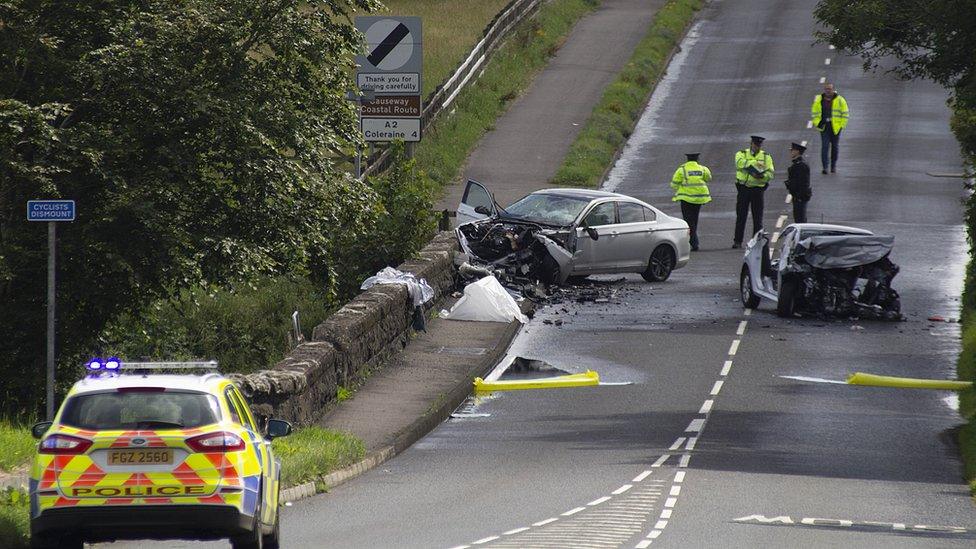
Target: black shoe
[
  {"x": 736, "y": 245},
  {"x": 833, "y": 170},
  {"x": 824, "y": 171}
]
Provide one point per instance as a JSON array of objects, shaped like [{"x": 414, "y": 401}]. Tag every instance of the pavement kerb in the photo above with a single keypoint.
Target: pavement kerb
[{"x": 439, "y": 411}]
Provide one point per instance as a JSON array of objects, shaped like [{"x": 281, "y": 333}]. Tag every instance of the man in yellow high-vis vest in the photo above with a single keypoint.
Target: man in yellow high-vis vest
[
  {"x": 829, "y": 114},
  {"x": 753, "y": 172},
  {"x": 690, "y": 184}
]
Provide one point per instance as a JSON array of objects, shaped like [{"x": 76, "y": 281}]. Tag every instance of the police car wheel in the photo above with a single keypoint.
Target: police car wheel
[
  {"x": 56, "y": 541},
  {"x": 252, "y": 539}
]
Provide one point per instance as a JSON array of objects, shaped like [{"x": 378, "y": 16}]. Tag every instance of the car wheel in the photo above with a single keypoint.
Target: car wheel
[
  {"x": 576, "y": 279},
  {"x": 786, "y": 300},
  {"x": 660, "y": 265},
  {"x": 253, "y": 539},
  {"x": 749, "y": 299}
]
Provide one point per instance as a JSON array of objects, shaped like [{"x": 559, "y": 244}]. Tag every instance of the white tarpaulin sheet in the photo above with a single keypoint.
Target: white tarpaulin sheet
[
  {"x": 487, "y": 301},
  {"x": 420, "y": 291}
]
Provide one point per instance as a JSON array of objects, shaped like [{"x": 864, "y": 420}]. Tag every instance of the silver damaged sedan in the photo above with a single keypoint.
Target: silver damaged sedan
[{"x": 554, "y": 235}]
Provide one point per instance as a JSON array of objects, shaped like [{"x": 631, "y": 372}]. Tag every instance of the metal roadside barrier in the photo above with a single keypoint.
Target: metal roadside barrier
[{"x": 469, "y": 69}]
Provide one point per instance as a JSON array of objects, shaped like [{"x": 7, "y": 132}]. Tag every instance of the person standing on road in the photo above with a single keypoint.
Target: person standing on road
[
  {"x": 753, "y": 172},
  {"x": 798, "y": 183},
  {"x": 690, "y": 188},
  {"x": 829, "y": 114}
]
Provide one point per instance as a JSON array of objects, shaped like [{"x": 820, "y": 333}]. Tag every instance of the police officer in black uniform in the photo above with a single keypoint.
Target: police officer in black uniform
[{"x": 798, "y": 183}]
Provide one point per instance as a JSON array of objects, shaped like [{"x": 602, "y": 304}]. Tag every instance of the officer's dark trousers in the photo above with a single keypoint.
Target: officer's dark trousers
[
  {"x": 748, "y": 198},
  {"x": 829, "y": 143},
  {"x": 800, "y": 210},
  {"x": 690, "y": 213}
]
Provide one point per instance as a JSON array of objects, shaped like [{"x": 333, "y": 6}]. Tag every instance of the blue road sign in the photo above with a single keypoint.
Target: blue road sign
[{"x": 50, "y": 210}]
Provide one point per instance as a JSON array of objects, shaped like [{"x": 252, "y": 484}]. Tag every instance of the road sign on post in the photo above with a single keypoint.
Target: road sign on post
[
  {"x": 392, "y": 67},
  {"x": 51, "y": 211}
]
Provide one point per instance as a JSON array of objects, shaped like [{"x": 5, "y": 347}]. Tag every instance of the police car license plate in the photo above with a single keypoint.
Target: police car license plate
[{"x": 149, "y": 456}]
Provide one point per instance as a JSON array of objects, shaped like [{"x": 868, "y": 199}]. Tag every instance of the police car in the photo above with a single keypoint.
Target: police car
[{"x": 155, "y": 450}]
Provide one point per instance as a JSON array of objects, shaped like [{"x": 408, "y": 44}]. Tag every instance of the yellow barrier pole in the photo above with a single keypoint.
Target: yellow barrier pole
[
  {"x": 586, "y": 379},
  {"x": 859, "y": 378}
]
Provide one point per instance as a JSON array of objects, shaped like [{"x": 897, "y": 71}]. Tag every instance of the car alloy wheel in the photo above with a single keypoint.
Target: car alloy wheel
[{"x": 660, "y": 265}]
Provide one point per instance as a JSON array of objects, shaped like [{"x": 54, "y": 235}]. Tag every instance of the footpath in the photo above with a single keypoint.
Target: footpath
[{"x": 423, "y": 383}]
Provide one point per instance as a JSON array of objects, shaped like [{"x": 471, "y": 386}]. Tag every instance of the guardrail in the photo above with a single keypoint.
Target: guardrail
[{"x": 442, "y": 97}]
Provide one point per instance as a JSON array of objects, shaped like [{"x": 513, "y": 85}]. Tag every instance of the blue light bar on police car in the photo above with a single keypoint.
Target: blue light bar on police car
[{"x": 114, "y": 364}]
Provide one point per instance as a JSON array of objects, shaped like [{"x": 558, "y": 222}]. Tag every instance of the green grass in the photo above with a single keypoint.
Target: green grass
[
  {"x": 966, "y": 370},
  {"x": 311, "y": 452},
  {"x": 614, "y": 117},
  {"x": 14, "y": 520},
  {"x": 451, "y": 28},
  {"x": 448, "y": 142},
  {"x": 16, "y": 446}
]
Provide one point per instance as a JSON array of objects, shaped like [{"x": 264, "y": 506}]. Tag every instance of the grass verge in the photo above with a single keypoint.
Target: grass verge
[
  {"x": 451, "y": 29},
  {"x": 448, "y": 142},
  {"x": 312, "y": 452},
  {"x": 966, "y": 370},
  {"x": 16, "y": 446},
  {"x": 624, "y": 99},
  {"x": 14, "y": 519}
]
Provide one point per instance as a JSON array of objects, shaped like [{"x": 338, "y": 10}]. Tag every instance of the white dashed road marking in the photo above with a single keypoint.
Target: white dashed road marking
[
  {"x": 642, "y": 476},
  {"x": 677, "y": 443},
  {"x": 695, "y": 426},
  {"x": 822, "y": 80},
  {"x": 726, "y": 368},
  {"x": 827, "y": 61},
  {"x": 734, "y": 348},
  {"x": 598, "y": 501},
  {"x": 716, "y": 388},
  {"x": 705, "y": 408},
  {"x": 622, "y": 489},
  {"x": 742, "y": 327},
  {"x": 572, "y": 512},
  {"x": 660, "y": 461}
]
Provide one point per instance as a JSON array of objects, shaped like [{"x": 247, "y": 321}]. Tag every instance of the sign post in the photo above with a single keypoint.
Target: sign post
[
  {"x": 52, "y": 212},
  {"x": 392, "y": 68}
]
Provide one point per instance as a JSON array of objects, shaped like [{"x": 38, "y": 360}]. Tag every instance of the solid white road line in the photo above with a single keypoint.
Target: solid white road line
[
  {"x": 679, "y": 477},
  {"x": 742, "y": 327},
  {"x": 461, "y": 547},
  {"x": 691, "y": 443},
  {"x": 660, "y": 461},
  {"x": 545, "y": 522},
  {"x": 734, "y": 348},
  {"x": 598, "y": 501},
  {"x": 726, "y": 368},
  {"x": 642, "y": 476},
  {"x": 485, "y": 540},
  {"x": 516, "y": 531},
  {"x": 572, "y": 512},
  {"x": 677, "y": 443},
  {"x": 622, "y": 489},
  {"x": 706, "y": 408}
]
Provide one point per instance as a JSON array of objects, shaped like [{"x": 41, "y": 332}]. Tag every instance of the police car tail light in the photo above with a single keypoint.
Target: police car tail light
[
  {"x": 63, "y": 444},
  {"x": 216, "y": 442}
]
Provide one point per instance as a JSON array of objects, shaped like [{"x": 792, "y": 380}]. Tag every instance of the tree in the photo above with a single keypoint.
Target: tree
[
  {"x": 935, "y": 39},
  {"x": 197, "y": 137}
]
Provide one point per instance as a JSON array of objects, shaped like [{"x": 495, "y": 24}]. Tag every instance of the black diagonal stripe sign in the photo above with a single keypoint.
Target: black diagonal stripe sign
[{"x": 386, "y": 46}]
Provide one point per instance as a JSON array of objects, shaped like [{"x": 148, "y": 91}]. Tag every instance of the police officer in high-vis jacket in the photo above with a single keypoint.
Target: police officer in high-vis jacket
[
  {"x": 753, "y": 172},
  {"x": 829, "y": 114},
  {"x": 691, "y": 190}
]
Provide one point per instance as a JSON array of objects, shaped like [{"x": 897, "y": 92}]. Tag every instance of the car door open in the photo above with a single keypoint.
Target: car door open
[{"x": 476, "y": 203}]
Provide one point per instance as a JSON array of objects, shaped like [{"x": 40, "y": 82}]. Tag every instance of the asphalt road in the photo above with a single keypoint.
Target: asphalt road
[{"x": 710, "y": 446}]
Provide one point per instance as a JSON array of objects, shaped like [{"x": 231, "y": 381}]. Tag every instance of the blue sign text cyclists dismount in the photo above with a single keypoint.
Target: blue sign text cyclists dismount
[
  {"x": 50, "y": 210},
  {"x": 391, "y": 66}
]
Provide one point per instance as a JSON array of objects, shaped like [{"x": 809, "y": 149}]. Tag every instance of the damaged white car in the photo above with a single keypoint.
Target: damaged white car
[
  {"x": 553, "y": 235},
  {"x": 822, "y": 270}
]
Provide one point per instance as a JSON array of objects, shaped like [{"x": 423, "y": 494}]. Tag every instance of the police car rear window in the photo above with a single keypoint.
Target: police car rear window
[{"x": 140, "y": 409}]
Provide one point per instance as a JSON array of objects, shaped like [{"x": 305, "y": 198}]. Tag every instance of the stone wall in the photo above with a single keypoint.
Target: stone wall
[{"x": 355, "y": 339}]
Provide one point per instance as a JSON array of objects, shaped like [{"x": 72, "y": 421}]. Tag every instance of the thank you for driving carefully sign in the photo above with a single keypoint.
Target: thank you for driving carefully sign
[
  {"x": 391, "y": 66},
  {"x": 50, "y": 210}
]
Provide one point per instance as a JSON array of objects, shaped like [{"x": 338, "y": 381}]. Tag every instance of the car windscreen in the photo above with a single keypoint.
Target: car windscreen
[
  {"x": 140, "y": 408},
  {"x": 547, "y": 209}
]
